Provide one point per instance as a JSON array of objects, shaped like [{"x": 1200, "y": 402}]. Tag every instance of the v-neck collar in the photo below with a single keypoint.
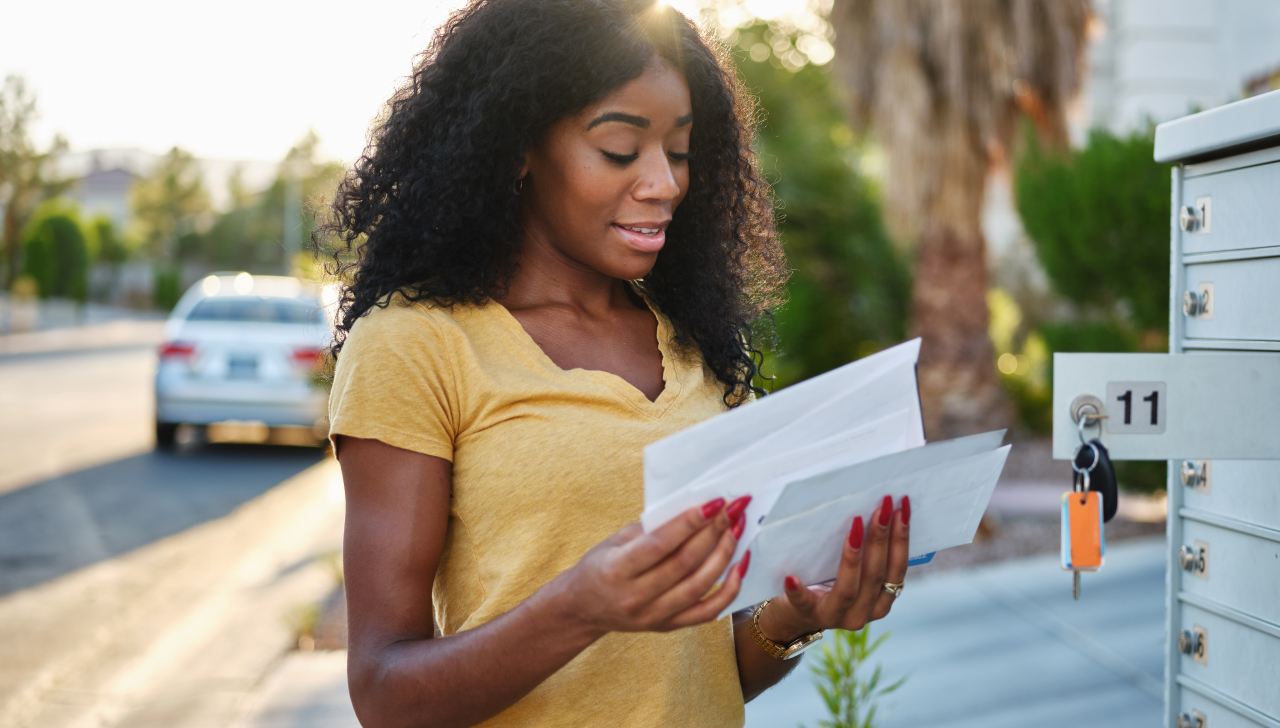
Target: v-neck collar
[{"x": 626, "y": 390}]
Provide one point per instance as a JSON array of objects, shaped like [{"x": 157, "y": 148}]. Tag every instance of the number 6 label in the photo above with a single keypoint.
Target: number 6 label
[{"x": 1136, "y": 408}]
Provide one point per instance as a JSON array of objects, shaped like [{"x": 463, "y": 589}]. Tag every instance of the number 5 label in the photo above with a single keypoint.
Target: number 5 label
[{"x": 1136, "y": 408}]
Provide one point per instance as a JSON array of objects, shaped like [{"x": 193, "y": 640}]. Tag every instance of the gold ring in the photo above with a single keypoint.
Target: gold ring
[{"x": 894, "y": 589}]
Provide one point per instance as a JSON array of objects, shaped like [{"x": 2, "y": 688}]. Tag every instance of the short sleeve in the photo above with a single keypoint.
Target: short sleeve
[{"x": 394, "y": 382}]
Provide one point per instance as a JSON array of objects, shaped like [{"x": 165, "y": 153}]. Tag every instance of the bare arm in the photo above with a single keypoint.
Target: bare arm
[{"x": 397, "y": 516}]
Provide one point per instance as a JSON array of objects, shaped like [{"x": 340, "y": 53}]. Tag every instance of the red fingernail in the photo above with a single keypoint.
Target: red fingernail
[
  {"x": 742, "y": 565},
  {"x": 738, "y": 526},
  {"x": 792, "y": 583},
  {"x": 855, "y": 533},
  {"x": 737, "y": 507},
  {"x": 711, "y": 508},
  {"x": 906, "y": 510},
  {"x": 886, "y": 510}
]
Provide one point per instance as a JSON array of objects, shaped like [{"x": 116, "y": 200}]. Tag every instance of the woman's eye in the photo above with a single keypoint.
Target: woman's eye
[
  {"x": 679, "y": 156},
  {"x": 620, "y": 158}
]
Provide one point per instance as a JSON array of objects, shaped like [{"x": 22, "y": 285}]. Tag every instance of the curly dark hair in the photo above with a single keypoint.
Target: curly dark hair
[{"x": 431, "y": 210}]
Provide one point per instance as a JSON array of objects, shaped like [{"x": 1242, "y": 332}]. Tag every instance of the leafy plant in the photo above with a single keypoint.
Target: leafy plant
[
  {"x": 849, "y": 292},
  {"x": 849, "y": 694},
  {"x": 56, "y": 252},
  {"x": 1099, "y": 221}
]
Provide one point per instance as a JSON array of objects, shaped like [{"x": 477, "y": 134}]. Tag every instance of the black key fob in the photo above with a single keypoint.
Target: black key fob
[{"x": 1102, "y": 476}]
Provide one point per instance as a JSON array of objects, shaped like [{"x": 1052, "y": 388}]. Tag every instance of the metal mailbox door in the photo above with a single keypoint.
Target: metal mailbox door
[{"x": 1171, "y": 406}]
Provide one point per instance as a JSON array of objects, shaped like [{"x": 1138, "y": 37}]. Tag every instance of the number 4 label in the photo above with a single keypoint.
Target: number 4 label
[{"x": 1136, "y": 408}]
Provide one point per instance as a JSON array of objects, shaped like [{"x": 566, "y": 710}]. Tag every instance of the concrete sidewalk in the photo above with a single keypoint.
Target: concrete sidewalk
[
  {"x": 994, "y": 646},
  {"x": 1005, "y": 646}
]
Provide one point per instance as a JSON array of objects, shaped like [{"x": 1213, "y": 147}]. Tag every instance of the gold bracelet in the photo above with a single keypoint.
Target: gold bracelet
[{"x": 779, "y": 650}]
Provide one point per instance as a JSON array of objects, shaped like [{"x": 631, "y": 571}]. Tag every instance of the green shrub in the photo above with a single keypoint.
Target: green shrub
[
  {"x": 56, "y": 253},
  {"x": 851, "y": 288},
  {"x": 1099, "y": 221},
  {"x": 166, "y": 289}
]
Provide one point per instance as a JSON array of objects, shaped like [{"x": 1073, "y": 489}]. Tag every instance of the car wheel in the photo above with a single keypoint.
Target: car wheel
[{"x": 166, "y": 436}]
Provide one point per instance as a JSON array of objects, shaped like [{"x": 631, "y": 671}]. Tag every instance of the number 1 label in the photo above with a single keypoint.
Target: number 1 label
[{"x": 1136, "y": 408}]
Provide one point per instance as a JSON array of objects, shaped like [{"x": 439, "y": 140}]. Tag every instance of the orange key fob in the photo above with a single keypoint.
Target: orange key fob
[{"x": 1083, "y": 545}]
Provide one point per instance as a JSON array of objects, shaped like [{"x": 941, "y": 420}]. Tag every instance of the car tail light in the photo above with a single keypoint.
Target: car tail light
[
  {"x": 177, "y": 350},
  {"x": 307, "y": 356}
]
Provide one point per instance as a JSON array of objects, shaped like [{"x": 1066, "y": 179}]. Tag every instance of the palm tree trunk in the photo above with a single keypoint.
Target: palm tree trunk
[{"x": 958, "y": 381}]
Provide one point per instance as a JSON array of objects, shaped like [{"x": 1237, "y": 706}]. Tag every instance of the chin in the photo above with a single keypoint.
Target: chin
[{"x": 630, "y": 270}]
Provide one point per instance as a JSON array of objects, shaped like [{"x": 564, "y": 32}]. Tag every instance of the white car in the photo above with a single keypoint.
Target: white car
[{"x": 244, "y": 348}]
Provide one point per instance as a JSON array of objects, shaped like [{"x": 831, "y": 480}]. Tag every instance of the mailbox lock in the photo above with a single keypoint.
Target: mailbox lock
[
  {"x": 1194, "y": 559},
  {"x": 1194, "y": 642},
  {"x": 1195, "y": 303},
  {"x": 1194, "y": 719},
  {"x": 1188, "y": 218},
  {"x": 1086, "y": 411},
  {"x": 1194, "y": 473}
]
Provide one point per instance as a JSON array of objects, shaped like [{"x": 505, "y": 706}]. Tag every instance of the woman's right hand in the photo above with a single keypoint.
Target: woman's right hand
[{"x": 659, "y": 581}]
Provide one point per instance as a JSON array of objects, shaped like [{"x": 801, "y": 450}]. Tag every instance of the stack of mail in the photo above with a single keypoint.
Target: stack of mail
[{"x": 818, "y": 453}]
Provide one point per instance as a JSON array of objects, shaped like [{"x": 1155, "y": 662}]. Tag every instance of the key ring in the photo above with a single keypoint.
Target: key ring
[
  {"x": 1083, "y": 422},
  {"x": 1094, "y": 464}
]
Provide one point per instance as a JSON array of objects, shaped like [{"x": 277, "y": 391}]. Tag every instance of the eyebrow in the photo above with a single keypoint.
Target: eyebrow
[{"x": 636, "y": 121}]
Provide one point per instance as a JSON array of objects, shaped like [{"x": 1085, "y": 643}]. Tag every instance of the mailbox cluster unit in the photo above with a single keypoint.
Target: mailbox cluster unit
[{"x": 1223, "y": 663}]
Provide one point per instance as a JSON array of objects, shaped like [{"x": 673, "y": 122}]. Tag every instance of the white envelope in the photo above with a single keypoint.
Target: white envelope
[
  {"x": 947, "y": 502},
  {"x": 817, "y": 486},
  {"x": 764, "y": 480},
  {"x": 672, "y": 463}
]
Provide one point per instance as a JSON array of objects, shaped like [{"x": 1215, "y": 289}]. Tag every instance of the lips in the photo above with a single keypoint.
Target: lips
[{"x": 646, "y": 237}]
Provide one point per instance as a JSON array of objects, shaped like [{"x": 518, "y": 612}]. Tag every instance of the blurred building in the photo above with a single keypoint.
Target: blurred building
[
  {"x": 1157, "y": 60},
  {"x": 104, "y": 188}
]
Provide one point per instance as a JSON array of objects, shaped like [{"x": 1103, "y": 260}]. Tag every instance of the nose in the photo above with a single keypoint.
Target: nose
[{"x": 657, "y": 180}]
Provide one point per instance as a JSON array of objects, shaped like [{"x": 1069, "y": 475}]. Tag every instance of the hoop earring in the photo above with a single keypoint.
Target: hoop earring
[{"x": 519, "y": 185}]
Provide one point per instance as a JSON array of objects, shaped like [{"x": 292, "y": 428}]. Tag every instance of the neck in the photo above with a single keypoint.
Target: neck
[{"x": 546, "y": 277}]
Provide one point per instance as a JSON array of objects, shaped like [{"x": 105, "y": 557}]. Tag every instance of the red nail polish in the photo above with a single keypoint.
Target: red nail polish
[
  {"x": 742, "y": 565},
  {"x": 738, "y": 527},
  {"x": 855, "y": 533},
  {"x": 906, "y": 510},
  {"x": 791, "y": 583},
  {"x": 886, "y": 510},
  {"x": 711, "y": 508},
  {"x": 738, "y": 506}
]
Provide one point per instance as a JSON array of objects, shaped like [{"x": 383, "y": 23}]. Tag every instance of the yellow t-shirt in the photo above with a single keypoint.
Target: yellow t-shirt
[{"x": 546, "y": 464}]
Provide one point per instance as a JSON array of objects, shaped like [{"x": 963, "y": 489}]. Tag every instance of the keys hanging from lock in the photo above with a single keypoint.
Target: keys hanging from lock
[{"x": 1083, "y": 542}]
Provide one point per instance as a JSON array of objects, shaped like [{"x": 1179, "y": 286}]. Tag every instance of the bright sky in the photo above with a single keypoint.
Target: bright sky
[{"x": 236, "y": 79}]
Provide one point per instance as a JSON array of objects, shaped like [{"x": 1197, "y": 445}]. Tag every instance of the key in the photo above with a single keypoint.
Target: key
[
  {"x": 1102, "y": 475},
  {"x": 1083, "y": 546}
]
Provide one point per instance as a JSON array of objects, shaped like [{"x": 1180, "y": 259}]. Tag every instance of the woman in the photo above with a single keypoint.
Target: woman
[{"x": 562, "y": 244}]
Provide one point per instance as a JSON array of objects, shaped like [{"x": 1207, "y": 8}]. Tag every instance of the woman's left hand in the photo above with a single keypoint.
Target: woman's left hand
[{"x": 872, "y": 556}]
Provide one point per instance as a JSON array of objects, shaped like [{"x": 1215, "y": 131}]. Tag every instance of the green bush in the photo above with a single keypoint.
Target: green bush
[
  {"x": 166, "y": 289},
  {"x": 1099, "y": 221},
  {"x": 850, "y": 291},
  {"x": 56, "y": 253}
]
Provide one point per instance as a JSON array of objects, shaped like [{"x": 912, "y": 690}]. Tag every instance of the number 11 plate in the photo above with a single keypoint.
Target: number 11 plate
[{"x": 1136, "y": 408}]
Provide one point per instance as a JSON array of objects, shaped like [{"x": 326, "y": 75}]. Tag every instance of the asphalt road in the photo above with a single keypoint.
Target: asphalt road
[{"x": 107, "y": 547}]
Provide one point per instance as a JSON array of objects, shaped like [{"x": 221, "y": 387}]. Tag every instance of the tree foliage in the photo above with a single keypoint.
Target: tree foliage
[
  {"x": 56, "y": 253},
  {"x": 1098, "y": 218},
  {"x": 251, "y": 234},
  {"x": 168, "y": 202},
  {"x": 848, "y": 296},
  {"x": 27, "y": 177}
]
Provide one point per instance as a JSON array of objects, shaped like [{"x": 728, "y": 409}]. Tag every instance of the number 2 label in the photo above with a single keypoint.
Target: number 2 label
[{"x": 1136, "y": 408}]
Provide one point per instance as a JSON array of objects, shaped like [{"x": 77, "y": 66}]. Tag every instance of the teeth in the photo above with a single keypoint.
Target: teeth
[{"x": 642, "y": 231}]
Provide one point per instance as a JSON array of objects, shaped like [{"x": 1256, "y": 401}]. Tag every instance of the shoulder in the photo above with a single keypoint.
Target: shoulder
[{"x": 395, "y": 323}]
